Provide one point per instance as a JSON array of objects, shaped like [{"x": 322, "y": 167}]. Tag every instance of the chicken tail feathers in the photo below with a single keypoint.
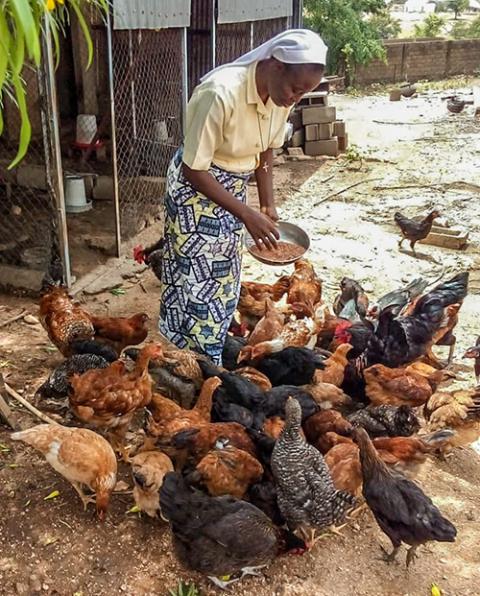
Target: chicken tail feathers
[{"x": 343, "y": 501}]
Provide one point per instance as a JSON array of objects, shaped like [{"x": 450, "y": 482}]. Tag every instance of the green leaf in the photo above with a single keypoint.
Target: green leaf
[
  {"x": 85, "y": 29},
  {"x": 53, "y": 495},
  {"x": 118, "y": 291},
  {"x": 25, "y": 21},
  {"x": 5, "y": 40},
  {"x": 134, "y": 509},
  {"x": 25, "y": 128}
]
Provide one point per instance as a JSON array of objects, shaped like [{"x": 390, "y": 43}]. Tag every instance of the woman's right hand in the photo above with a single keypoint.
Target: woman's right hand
[{"x": 262, "y": 229}]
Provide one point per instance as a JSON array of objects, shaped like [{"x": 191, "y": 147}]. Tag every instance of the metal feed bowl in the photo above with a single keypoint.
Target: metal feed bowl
[{"x": 288, "y": 233}]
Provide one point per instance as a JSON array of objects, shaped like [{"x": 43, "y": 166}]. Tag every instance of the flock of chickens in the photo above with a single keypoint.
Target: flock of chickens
[{"x": 313, "y": 407}]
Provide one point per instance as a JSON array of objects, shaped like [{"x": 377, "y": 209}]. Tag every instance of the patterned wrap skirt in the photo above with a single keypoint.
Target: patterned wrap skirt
[{"x": 201, "y": 264}]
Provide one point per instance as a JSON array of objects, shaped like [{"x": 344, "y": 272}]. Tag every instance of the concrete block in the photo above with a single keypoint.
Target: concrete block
[
  {"x": 325, "y": 131},
  {"x": 311, "y": 132},
  {"x": 298, "y": 138},
  {"x": 32, "y": 176},
  {"x": 339, "y": 128},
  {"x": 318, "y": 115},
  {"x": 103, "y": 188},
  {"x": 295, "y": 151},
  {"x": 327, "y": 147},
  {"x": 343, "y": 142}
]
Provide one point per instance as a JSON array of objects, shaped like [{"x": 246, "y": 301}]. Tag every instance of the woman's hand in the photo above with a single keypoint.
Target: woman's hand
[
  {"x": 261, "y": 227},
  {"x": 270, "y": 211}
]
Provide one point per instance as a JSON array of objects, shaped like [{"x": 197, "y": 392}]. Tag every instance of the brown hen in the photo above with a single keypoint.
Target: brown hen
[
  {"x": 459, "y": 410},
  {"x": 148, "y": 471},
  {"x": 325, "y": 421},
  {"x": 81, "y": 456},
  {"x": 64, "y": 321},
  {"x": 226, "y": 470},
  {"x": 305, "y": 286},
  {"x": 334, "y": 371},
  {"x": 396, "y": 386},
  {"x": 108, "y": 398},
  {"x": 120, "y": 332}
]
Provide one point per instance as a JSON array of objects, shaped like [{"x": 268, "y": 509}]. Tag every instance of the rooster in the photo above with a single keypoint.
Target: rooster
[
  {"x": 151, "y": 256},
  {"x": 401, "y": 340}
]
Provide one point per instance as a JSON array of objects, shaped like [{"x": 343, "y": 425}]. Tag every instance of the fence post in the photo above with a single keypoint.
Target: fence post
[
  {"x": 214, "y": 34},
  {"x": 184, "y": 79},
  {"x": 116, "y": 197},
  {"x": 54, "y": 171}
]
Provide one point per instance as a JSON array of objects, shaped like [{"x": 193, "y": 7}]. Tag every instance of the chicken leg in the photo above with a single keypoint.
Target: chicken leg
[
  {"x": 86, "y": 499},
  {"x": 411, "y": 555},
  {"x": 222, "y": 583},
  {"x": 390, "y": 557}
]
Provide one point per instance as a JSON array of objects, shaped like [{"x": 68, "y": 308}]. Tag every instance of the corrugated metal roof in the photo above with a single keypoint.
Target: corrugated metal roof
[
  {"x": 150, "y": 14},
  {"x": 233, "y": 11}
]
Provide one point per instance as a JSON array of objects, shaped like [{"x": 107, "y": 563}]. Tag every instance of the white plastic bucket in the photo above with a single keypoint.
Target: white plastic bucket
[
  {"x": 75, "y": 195},
  {"x": 86, "y": 128}
]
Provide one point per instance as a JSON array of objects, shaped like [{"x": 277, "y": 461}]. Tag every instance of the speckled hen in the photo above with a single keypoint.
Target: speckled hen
[{"x": 306, "y": 495}]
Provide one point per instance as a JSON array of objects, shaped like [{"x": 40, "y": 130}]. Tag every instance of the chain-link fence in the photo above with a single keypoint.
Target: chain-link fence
[
  {"x": 30, "y": 229},
  {"x": 149, "y": 76},
  {"x": 147, "y": 67},
  {"x": 265, "y": 30}
]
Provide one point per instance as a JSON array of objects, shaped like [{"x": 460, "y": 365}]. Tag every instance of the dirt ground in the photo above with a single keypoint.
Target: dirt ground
[{"x": 53, "y": 547}]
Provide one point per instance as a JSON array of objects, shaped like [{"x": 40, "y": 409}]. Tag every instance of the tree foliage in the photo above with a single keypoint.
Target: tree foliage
[
  {"x": 432, "y": 26},
  {"x": 22, "y": 25},
  {"x": 386, "y": 25},
  {"x": 466, "y": 30},
  {"x": 347, "y": 30},
  {"x": 457, "y": 6}
]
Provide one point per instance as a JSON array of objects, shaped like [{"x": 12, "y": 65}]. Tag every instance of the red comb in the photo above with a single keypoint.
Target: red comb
[{"x": 138, "y": 255}]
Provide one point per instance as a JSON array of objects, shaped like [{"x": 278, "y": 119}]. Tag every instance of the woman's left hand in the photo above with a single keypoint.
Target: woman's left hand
[{"x": 270, "y": 211}]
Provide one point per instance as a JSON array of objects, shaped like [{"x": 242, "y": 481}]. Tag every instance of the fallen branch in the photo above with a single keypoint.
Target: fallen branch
[
  {"x": 411, "y": 123},
  {"x": 5, "y": 411},
  {"x": 26, "y": 404},
  {"x": 342, "y": 190},
  {"x": 467, "y": 185},
  {"x": 15, "y": 318}
]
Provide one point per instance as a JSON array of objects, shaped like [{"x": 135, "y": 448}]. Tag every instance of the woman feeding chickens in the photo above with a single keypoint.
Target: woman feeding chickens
[{"x": 235, "y": 117}]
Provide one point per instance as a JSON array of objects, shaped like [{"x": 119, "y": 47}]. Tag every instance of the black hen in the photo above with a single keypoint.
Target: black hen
[
  {"x": 277, "y": 397},
  {"x": 58, "y": 383},
  {"x": 291, "y": 366},
  {"x": 401, "y": 340},
  {"x": 234, "y": 388},
  {"x": 231, "y": 350},
  {"x": 386, "y": 421},
  {"x": 402, "y": 510},
  {"x": 264, "y": 496},
  {"x": 219, "y": 535},
  {"x": 90, "y": 346}
]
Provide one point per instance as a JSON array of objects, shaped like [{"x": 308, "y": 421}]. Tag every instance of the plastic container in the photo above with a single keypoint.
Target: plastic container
[
  {"x": 75, "y": 194},
  {"x": 86, "y": 128}
]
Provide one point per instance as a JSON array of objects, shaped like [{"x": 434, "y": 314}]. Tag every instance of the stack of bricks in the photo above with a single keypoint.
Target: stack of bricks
[{"x": 316, "y": 127}]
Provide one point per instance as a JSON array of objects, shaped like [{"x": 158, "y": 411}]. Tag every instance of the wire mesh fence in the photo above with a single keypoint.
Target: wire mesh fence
[
  {"x": 148, "y": 91},
  {"x": 29, "y": 224},
  {"x": 147, "y": 68},
  {"x": 264, "y": 30},
  {"x": 232, "y": 40}
]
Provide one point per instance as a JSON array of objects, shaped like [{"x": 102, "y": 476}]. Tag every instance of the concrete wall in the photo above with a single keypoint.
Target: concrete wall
[{"x": 422, "y": 59}]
